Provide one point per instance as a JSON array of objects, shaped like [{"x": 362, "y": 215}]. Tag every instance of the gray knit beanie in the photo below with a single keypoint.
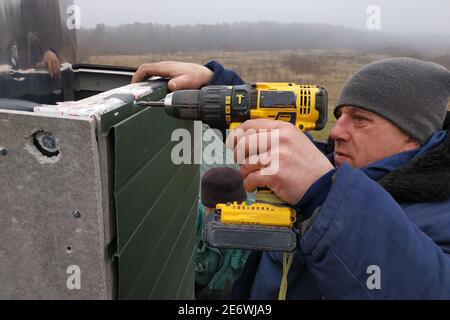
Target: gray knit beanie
[{"x": 412, "y": 94}]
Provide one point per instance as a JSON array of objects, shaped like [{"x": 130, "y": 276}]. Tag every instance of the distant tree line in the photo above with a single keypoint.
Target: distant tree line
[{"x": 146, "y": 38}]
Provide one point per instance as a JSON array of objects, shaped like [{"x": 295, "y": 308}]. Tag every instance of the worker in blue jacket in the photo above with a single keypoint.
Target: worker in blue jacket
[{"x": 374, "y": 215}]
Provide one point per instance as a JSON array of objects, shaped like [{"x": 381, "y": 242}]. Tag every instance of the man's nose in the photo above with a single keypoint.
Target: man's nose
[{"x": 341, "y": 132}]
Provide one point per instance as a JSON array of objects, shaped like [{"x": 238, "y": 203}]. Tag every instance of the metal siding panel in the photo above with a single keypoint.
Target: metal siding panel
[
  {"x": 176, "y": 273},
  {"x": 150, "y": 130},
  {"x": 135, "y": 200},
  {"x": 142, "y": 260},
  {"x": 155, "y": 206},
  {"x": 187, "y": 292}
]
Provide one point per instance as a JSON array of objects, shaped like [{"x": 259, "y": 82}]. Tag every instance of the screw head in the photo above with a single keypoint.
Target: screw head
[
  {"x": 49, "y": 142},
  {"x": 3, "y": 152},
  {"x": 76, "y": 214}
]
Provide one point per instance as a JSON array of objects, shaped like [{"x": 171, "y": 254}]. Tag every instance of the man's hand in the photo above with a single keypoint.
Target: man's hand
[
  {"x": 300, "y": 162},
  {"x": 52, "y": 64},
  {"x": 183, "y": 75}
]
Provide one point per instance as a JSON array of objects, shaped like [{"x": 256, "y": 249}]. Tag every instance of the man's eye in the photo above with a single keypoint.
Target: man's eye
[{"x": 359, "y": 118}]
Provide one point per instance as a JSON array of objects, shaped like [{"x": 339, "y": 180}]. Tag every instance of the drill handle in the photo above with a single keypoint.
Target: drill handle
[{"x": 268, "y": 196}]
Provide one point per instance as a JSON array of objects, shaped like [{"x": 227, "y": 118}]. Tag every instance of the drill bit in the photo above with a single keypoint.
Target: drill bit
[{"x": 158, "y": 104}]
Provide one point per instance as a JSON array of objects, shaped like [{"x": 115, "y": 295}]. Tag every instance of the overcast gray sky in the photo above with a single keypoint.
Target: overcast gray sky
[{"x": 431, "y": 16}]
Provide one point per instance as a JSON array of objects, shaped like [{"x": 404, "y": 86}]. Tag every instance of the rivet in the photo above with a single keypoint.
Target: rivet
[{"x": 76, "y": 214}]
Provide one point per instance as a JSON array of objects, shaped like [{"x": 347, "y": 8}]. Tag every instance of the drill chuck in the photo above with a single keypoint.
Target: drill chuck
[
  {"x": 183, "y": 105},
  {"x": 211, "y": 105}
]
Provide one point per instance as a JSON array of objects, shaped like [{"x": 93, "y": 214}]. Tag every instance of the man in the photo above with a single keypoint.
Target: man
[
  {"x": 217, "y": 269},
  {"x": 375, "y": 215}
]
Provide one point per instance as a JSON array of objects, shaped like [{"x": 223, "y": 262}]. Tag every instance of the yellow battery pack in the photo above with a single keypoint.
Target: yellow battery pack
[{"x": 256, "y": 214}]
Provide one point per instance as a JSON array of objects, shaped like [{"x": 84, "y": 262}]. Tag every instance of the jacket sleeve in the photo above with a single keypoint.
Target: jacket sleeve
[
  {"x": 362, "y": 245},
  {"x": 223, "y": 76}
]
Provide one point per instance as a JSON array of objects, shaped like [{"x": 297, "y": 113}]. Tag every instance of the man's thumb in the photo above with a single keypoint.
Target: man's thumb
[
  {"x": 182, "y": 82},
  {"x": 172, "y": 85}
]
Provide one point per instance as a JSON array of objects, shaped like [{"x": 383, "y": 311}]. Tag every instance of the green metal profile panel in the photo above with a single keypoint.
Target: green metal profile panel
[
  {"x": 175, "y": 279},
  {"x": 171, "y": 224},
  {"x": 150, "y": 130},
  {"x": 151, "y": 179},
  {"x": 143, "y": 158},
  {"x": 156, "y": 207}
]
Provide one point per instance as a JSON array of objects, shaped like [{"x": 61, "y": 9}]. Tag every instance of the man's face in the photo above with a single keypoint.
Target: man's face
[{"x": 363, "y": 137}]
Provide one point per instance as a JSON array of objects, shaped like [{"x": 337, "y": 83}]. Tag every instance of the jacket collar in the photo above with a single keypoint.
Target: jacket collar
[
  {"x": 425, "y": 177},
  {"x": 379, "y": 169}
]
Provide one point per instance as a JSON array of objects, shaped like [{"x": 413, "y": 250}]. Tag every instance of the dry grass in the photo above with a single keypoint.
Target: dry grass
[{"x": 330, "y": 69}]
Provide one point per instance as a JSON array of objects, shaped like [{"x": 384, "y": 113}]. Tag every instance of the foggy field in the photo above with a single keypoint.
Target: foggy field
[{"x": 330, "y": 69}]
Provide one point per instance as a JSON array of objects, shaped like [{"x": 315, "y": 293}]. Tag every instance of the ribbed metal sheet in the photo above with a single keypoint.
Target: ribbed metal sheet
[{"x": 156, "y": 207}]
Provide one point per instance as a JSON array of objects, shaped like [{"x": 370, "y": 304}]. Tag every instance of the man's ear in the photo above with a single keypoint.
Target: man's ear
[{"x": 411, "y": 143}]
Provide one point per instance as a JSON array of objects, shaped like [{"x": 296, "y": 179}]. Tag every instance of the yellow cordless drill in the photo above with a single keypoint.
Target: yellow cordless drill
[{"x": 267, "y": 224}]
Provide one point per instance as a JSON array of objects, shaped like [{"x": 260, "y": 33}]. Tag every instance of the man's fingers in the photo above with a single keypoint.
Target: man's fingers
[
  {"x": 145, "y": 71},
  {"x": 183, "y": 75},
  {"x": 254, "y": 163},
  {"x": 246, "y": 146},
  {"x": 141, "y": 74},
  {"x": 251, "y": 142},
  {"x": 136, "y": 77},
  {"x": 172, "y": 85},
  {"x": 249, "y": 127},
  {"x": 258, "y": 124},
  {"x": 255, "y": 180}
]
